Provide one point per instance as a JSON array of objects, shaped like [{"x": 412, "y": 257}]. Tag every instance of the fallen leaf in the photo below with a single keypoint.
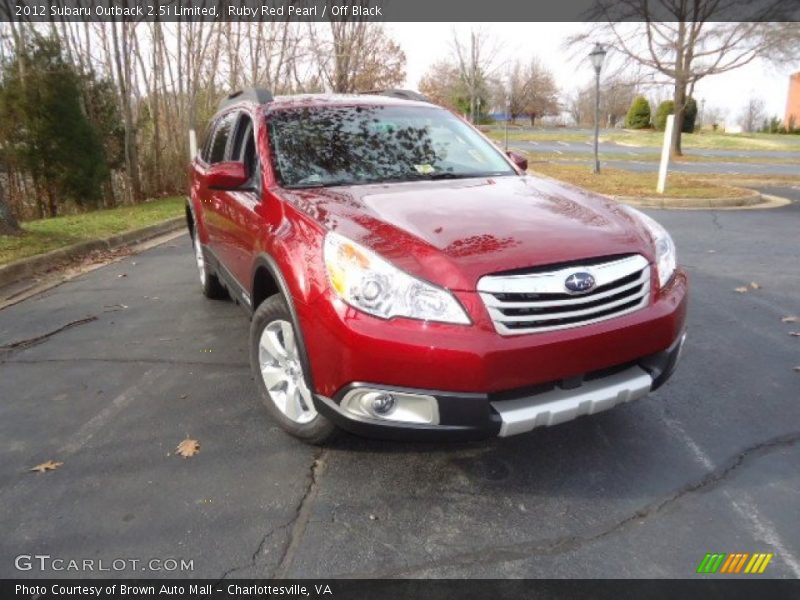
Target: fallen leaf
[
  {"x": 188, "y": 448},
  {"x": 184, "y": 396},
  {"x": 794, "y": 333},
  {"x": 755, "y": 285},
  {"x": 742, "y": 290},
  {"x": 790, "y": 320},
  {"x": 122, "y": 275},
  {"x": 50, "y": 465}
]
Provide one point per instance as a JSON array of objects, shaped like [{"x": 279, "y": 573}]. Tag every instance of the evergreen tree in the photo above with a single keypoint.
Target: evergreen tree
[
  {"x": 45, "y": 130},
  {"x": 667, "y": 107},
  {"x": 638, "y": 114}
]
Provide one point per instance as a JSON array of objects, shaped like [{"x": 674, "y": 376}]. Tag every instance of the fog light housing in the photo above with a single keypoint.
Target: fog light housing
[
  {"x": 379, "y": 404},
  {"x": 391, "y": 405}
]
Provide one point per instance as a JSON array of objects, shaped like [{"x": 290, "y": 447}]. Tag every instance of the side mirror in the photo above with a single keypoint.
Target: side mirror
[
  {"x": 226, "y": 175},
  {"x": 518, "y": 159}
]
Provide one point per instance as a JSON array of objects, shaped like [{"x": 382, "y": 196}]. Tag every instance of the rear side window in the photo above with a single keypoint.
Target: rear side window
[{"x": 220, "y": 141}]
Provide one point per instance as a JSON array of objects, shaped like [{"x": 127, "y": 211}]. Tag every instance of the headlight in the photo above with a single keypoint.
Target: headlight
[
  {"x": 666, "y": 258},
  {"x": 367, "y": 282}
]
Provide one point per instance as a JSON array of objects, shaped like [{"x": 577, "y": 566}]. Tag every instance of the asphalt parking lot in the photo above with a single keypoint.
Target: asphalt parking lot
[
  {"x": 643, "y": 159},
  {"x": 108, "y": 372}
]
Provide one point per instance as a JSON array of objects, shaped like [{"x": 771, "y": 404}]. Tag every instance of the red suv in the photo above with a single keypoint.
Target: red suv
[{"x": 407, "y": 279}]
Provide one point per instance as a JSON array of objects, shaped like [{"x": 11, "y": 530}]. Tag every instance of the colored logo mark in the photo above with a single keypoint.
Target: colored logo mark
[{"x": 737, "y": 562}]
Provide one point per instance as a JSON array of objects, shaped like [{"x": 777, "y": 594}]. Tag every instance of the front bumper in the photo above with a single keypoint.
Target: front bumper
[{"x": 463, "y": 416}]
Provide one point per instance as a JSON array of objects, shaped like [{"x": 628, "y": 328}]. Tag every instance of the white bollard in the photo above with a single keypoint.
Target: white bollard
[{"x": 662, "y": 169}]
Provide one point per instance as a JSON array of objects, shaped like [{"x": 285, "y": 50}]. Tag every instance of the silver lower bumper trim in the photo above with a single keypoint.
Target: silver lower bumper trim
[{"x": 558, "y": 406}]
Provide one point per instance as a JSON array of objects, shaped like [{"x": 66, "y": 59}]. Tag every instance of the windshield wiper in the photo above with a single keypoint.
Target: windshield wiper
[
  {"x": 320, "y": 184},
  {"x": 451, "y": 175}
]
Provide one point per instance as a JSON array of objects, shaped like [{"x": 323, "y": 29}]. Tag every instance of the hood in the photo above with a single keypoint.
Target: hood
[{"x": 452, "y": 232}]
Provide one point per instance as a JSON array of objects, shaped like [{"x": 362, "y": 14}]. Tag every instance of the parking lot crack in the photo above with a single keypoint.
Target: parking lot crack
[
  {"x": 296, "y": 526},
  {"x": 302, "y": 515},
  {"x": 571, "y": 543},
  {"x": 35, "y": 341}
]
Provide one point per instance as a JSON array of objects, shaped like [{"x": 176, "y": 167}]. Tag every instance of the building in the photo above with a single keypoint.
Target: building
[{"x": 793, "y": 102}]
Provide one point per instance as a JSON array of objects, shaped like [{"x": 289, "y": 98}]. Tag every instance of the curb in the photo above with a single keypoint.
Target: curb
[
  {"x": 27, "y": 267},
  {"x": 747, "y": 199}
]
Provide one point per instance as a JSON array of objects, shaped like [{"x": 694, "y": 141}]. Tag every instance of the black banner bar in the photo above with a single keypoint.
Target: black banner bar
[
  {"x": 711, "y": 587},
  {"x": 389, "y": 10}
]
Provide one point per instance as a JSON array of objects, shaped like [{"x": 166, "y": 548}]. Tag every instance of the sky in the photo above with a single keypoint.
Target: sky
[{"x": 424, "y": 43}]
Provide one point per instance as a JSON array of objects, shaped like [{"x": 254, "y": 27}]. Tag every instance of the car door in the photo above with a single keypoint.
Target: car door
[
  {"x": 239, "y": 207},
  {"x": 215, "y": 151}
]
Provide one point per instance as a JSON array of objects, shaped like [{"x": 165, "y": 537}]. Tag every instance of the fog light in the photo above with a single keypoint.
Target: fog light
[
  {"x": 379, "y": 404},
  {"x": 391, "y": 405}
]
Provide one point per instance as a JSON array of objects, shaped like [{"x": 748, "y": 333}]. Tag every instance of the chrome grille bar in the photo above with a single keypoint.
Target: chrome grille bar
[{"x": 538, "y": 302}]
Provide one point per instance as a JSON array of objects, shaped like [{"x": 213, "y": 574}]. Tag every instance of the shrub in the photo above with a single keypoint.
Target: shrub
[
  {"x": 667, "y": 107},
  {"x": 689, "y": 116},
  {"x": 638, "y": 114}
]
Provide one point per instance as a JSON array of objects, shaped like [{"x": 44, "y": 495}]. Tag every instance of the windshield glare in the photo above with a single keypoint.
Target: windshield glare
[{"x": 347, "y": 145}]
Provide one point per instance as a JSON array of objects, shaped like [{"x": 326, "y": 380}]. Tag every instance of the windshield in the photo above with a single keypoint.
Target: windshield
[{"x": 347, "y": 145}]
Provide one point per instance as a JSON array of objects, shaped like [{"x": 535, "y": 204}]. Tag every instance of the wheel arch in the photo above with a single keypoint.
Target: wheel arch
[{"x": 268, "y": 279}]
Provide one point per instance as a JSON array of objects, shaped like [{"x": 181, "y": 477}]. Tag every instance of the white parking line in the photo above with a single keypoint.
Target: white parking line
[
  {"x": 743, "y": 504},
  {"x": 87, "y": 431}
]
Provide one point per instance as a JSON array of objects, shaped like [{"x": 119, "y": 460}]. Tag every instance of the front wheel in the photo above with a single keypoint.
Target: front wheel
[{"x": 280, "y": 378}]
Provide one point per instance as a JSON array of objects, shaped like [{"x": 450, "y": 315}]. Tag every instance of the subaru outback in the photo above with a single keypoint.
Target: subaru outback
[{"x": 407, "y": 279}]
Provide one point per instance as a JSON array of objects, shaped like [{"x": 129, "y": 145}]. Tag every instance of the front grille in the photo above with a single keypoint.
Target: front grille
[{"x": 540, "y": 301}]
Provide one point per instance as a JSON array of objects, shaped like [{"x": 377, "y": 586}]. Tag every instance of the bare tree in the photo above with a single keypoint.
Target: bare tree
[
  {"x": 713, "y": 115},
  {"x": 442, "y": 84},
  {"x": 685, "y": 41},
  {"x": 476, "y": 62},
  {"x": 753, "y": 114},
  {"x": 540, "y": 95},
  {"x": 356, "y": 56},
  {"x": 616, "y": 97}
]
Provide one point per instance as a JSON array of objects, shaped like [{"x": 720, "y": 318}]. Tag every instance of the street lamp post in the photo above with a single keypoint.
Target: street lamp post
[{"x": 597, "y": 55}]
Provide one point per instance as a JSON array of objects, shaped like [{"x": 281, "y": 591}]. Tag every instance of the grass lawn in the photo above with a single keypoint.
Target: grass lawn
[
  {"x": 44, "y": 235},
  {"x": 648, "y": 138},
  {"x": 615, "y": 182}
]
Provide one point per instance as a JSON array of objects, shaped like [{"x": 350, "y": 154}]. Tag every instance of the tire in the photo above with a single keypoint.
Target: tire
[
  {"x": 279, "y": 374},
  {"x": 209, "y": 282}
]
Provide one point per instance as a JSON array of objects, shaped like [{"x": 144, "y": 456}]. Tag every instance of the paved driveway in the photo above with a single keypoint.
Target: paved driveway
[
  {"x": 644, "y": 159},
  {"x": 110, "y": 371}
]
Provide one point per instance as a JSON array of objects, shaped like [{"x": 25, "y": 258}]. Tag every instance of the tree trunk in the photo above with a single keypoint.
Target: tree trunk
[
  {"x": 680, "y": 106},
  {"x": 121, "y": 58},
  {"x": 52, "y": 203},
  {"x": 533, "y": 119},
  {"x": 8, "y": 222},
  {"x": 679, "y": 98}
]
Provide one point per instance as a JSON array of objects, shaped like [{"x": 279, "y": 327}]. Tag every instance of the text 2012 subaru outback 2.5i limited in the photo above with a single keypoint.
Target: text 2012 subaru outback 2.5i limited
[{"x": 408, "y": 280}]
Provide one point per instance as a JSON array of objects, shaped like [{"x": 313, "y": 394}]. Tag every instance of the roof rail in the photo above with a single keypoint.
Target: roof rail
[
  {"x": 401, "y": 94},
  {"x": 254, "y": 94}
]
